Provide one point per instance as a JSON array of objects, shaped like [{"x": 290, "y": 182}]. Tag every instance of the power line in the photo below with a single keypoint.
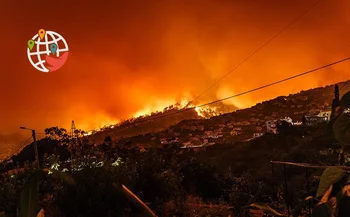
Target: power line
[
  {"x": 24, "y": 143},
  {"x": 280, "y": 81},
  {"x": 240, "y": 94},
  {"x": 256, "y": 51},
  {"x": 21, "y": 146},
  {"x": 246, "y": 92},
  {"x": 344, "y": 85}
]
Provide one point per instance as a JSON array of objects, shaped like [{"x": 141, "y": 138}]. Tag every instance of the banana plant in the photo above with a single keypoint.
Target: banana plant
[
  {"x": 135, "y": 200},
  {"x": 327, "y": 205},
  {"x": 29, "y": 201}
]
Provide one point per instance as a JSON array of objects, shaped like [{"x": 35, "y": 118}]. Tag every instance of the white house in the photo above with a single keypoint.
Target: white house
[
  {"x": 315, "y": 119},
  {"x": 256, "y": 135},
  {"x": 326, "y": 114},
  {"x": 287, "y": 119},
  {"x": 271, "y": 126}
]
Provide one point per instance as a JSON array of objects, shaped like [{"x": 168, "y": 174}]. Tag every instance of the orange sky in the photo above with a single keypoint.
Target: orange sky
[{"x": 128, "y": 55}]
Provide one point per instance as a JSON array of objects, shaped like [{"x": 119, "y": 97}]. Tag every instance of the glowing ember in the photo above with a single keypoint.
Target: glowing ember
[
  {"x": 207, "y": 111},
  {"x": 160, "y": 106}
]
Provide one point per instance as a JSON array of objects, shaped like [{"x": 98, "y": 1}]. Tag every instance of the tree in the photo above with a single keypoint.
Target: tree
[
  {"x": 56, "y": 133},
  {"x": 341, "y": 128}
]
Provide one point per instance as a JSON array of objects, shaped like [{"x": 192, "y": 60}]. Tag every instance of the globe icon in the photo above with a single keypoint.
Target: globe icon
[{"x": 47, "y": 51}]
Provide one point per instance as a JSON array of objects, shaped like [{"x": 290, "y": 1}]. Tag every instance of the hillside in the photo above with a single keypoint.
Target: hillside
[
  {"x": 142, "y": 125},
  {"x": 187, "y": 128},
  {"x": 156, "y": 122},
  {"x": 241, "y": 124},
  {"x": 228, "y": 172}
]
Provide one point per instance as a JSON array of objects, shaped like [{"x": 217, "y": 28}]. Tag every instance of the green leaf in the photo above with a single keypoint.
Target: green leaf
[
  {"x": 137, "y": 201},
  {"x": 66, "y": 177},
  {"x": 29, "y": 197},
  {"x": 264, "y": 207},
  {"x": 341, "y": 129},
  {"x": 345, "y": 100},
  {"x": 330, "y": 176}
]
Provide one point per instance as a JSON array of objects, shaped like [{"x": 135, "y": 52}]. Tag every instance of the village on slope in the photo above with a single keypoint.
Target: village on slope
[
  {"x": 244, "y": 125},
  {"x": 310, "y": 107}
]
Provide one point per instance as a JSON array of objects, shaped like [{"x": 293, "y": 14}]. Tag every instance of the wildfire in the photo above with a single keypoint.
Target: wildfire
[
  {"x": 208, "y": 111},
  {"x": 159, "y": 106}
]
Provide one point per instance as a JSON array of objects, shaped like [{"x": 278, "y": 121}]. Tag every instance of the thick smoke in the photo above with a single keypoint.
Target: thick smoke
[{"x": 130, "y": 56}]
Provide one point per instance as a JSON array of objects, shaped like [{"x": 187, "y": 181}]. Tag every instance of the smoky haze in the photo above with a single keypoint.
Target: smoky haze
[{"x": 132, "y": 56}]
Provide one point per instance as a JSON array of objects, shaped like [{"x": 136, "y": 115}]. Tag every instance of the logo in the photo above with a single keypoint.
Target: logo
[{"x": 47, "y": 51}]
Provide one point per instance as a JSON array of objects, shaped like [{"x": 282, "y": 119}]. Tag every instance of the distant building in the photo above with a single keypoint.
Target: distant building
[
  {"x": 233, "y": 133},
  {"x": 163, "y": 141},
  {"x": 271, "y": 127},
  {"x": 237, "y": 128},
  {"x": 326, "y": 114},
  {"x": 312, "y": 120},
  {"x": 287, "y": 119},
  {"x": 297, "y": 123},
  {"x": 256, "y": 135},
  {"x": 347, "y": 111}
]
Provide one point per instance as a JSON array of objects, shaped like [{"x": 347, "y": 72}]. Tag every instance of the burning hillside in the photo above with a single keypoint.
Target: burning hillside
[
  {"x": 184, "y": 109},
  {"x": 160, "y": 120}
]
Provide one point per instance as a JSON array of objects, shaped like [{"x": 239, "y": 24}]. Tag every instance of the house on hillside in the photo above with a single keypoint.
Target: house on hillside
[
  {"x": 321, "y": 117},
  {"x": 163, "y": 141},
  {"x": 312, "y": 120},
  {"x": 234, "y": 133},
  {"x": 326, "y": 114},
  {"x": 200, "y": 128},
  {"x": 208, "y": 133},
  {"x": 297, "y": 123},
  {"x": 287, "y": 119},
  {"x": 271, "y": 127},
  {"x": 257, "y": 135},
  {"x": 347, "y": 111},
  {"x": 245, "y": 123},
  {"x": 193, "y": 128},
  {"x": 221, "y": 125}
]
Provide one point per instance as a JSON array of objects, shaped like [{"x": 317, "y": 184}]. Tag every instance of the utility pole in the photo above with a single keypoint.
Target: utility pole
[
  {"x": 335, "y": 102},
  {"x": 73, "y": 138},
  {"x": 72, "y": 128},
  {"x": 35, "y": 146},
  {"x": 36, "y": 149}
]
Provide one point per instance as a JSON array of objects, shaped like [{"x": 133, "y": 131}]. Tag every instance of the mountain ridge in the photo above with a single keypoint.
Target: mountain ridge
[
  {"x": 188, "y": 127},
  {"x": 253, "y": 119}
]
